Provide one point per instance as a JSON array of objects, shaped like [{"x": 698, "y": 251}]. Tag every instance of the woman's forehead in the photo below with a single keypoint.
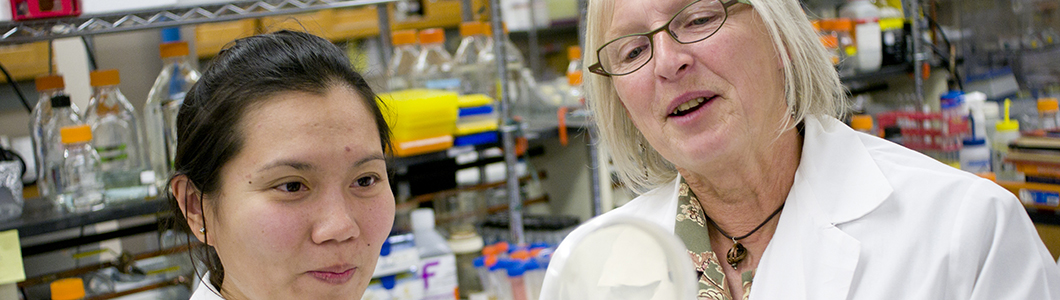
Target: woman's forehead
[{"x": 636, "y": 16}]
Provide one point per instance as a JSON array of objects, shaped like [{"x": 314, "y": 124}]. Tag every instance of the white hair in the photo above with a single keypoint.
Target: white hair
[{"x": 811, "y": 88}]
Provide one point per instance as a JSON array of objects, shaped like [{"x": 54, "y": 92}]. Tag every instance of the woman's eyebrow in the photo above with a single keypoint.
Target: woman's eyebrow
[{"x": 297, "y": 165}]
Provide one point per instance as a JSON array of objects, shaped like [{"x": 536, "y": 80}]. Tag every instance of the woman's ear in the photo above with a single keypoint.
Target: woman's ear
[{"x": 190, "y": 202}]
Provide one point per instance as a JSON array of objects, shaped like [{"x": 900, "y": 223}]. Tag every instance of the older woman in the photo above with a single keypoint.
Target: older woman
[
  {"x": 280, "y": 172},
  {"x": 723, "y": 113}
]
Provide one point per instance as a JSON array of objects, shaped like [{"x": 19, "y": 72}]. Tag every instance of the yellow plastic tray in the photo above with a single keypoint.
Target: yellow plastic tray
[
  {"x": 466, "y": 128},
  {"x": 473, "y": 100},
  {"x": 418, "y": 109}
]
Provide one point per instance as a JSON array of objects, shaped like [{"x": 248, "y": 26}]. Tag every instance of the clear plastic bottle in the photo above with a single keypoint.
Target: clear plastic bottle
[
  {"x": 1008, "y": 130},
  {"x": 574, "y": 75},
  {"x": 63, "y": 114},
  {"x": 1048, "y": 109},
  {"x": 82, "y": 188},
  {"x": 867, "y": 33},
  {"x": 163, "y": 104},
  {"x": 48, "y": 86},
  {"x": 117, "y": 135},
  {"x": 434, "y": 66},
  {"x": 466, "y": 60},
  {"x": 437, "y": 266},
  {"x": 399, "y": 71},
  {"x": 514, "y": 59}
]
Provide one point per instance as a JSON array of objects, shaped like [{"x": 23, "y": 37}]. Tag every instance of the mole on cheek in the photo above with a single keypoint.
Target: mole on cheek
[{"x": 347, "y": 148}]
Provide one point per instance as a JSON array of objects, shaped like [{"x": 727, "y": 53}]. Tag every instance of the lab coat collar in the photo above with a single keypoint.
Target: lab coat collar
[{"x": 837, "y": 181}]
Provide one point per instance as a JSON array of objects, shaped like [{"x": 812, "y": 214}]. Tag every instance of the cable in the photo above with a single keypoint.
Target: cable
[
  {"x": 18, "y": 91},
  {"x": 90, "y": 52}
]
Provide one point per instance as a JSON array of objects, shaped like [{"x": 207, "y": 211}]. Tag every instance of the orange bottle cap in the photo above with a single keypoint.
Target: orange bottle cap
[
  {"x": 861, "y": 122},
  {"x": 68, "y": 289},
  {"x": 1048, "y": 104},
  {"x": 487, "y": 27},
  {"x": 844, "y": 24},
  {"x": 76, "y": 134},
  {"x": 104, "y": 78},
  {"x": 472, "y": 28},
  {"x": 432, "y": 36},
  {"x": 816, "y": 25},
  {"x": 404, "y": 37},
  {"x": 521, "y": 254},
  {"x": 575, "y": 78},
  {"x": 830, "y": 41},
  {"x": 574, "y": 52},
  {"x": 502, "y": 247},
  {"x": 49, "y": 82},
  {"x": 490, "y": 260},
  {"x": 173, "y": 49}
]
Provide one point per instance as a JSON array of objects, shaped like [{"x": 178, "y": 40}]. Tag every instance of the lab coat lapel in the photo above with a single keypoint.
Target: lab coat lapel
[{"x": 836, "y": 182}]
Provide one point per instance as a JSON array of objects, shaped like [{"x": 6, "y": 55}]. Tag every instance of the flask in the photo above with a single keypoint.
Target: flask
[
  {"x": 82, "y": 189},
  {"x": 163, "y": 104},
  {"x": 117, "y": 135},
  {"x": 1008, "y": 130},
  {"x": 1047, "y": 113},
  {"x": 513, "y": 58},
  {"x": 48, "y": 86},
  {"x": 465, "y": 61},
  {"x": 437, "y": 267},
  {"x": 434, "y": 66},
  {"x": 63, "y": 114},
  {"x": 406, "y": 51}
]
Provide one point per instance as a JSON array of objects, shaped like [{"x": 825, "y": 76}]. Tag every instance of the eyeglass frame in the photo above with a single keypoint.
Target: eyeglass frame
[{"x": 598, "y": 68}]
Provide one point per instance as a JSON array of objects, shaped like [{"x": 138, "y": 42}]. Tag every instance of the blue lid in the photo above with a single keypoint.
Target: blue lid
[
  {"x": 474, "y": 111},
  {"x": 385, "y": 250},
  {"x": 502, "y": 263},
  {"x": 952, "y": 95},
  {"x": 480, "y": 261},
  {"x": 974, "y": 142},
  {"x": 388, "y": 281},
  {"x": 516, "y": 269},
  {"x": 531, "y": 264},
  {"x": 539, "y": 245},
  {"x": 170, "y": 34}
]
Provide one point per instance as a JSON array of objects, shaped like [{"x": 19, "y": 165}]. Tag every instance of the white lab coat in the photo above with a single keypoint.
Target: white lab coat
[
  {"x": 204, "y": 291},
  {"x": 869, "y": 219}
]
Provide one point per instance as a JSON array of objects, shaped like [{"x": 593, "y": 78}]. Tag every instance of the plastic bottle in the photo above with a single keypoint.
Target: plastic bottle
[
  {"x": 163, "y": 104},
  {"x": 67, "y": 289},
  {"x": 117, "y": 135},
  {"x": 975, "y": 156},
  {"x": 843, "y": 30},
  {"x": 466, "y": 245},
  {"x": 63, "y": 114},
  {"x": 1008, "y": 130},
  {"x": 574, "y": 75},
  {"x": 437, "y": 266},
  {"x": 48, "y": 86},
  {"x": 534, "y": 277},
  {"x": 399, "y": 71},
  {"x": 434, "y": 66},
  {"x": 82, "y": 189},
  {"x": 514, "y": 59},
  {"x": 465, "y": 61},
  {"x": 517, "y": 281},
  {"x": 867, "y": 33},
  {"x": 1048, "y": 109}
]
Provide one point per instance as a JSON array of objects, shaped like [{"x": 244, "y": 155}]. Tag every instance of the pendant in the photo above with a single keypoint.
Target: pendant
[{"x": 736, "y": 254}]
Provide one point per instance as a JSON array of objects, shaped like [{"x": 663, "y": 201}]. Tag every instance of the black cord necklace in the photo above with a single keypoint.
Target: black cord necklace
[{"x": 738, "y": 252}]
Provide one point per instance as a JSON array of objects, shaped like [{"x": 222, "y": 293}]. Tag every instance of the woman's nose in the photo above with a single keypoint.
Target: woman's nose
[
  {"x": 670, "y": 57},
  {"x": 337, "y": 221}
]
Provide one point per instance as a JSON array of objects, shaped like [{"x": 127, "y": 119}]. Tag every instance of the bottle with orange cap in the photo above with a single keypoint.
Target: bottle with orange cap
[
  {"x": 117, "y": 135},
  {"x": 406, "y": 50},
  {"x": 48, "y": 86},
  {"x": 63, "y": 114},
  {"x": 163, "y": 102},
  {"x": 465, "y": 61},
  {"x": 574, "y": 74},
  {"x": 82, "y": 188},
  {"x": 67, "y": 289},
  {"x": 434, "y": 66},
  {"x": 1048, "y": 114},
  {"x": 513, "y": 59}
]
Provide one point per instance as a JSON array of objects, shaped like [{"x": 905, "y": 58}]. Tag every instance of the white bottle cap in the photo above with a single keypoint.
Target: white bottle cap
[
  {"x": 147, "y": 177},
  {"x": 422, "y": 218}
]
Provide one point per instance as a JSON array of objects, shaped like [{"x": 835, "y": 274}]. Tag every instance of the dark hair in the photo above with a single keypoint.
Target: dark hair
[{"x": 249, "y": 71}]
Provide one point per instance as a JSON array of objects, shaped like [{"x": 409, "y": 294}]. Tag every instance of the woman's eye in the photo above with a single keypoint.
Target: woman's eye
[
  {"x": 366, "y": 181},
  {"x": 291, "y": 187},
  {"x": 634, "y": 53},
  {"x": 700, "y": 21}
]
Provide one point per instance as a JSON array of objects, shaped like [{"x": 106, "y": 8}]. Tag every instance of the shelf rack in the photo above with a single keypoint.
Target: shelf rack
[{"x": 48, "y": 29}]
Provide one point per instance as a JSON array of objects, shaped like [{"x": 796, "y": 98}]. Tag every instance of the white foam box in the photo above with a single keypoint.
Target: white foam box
[
  {"x": 95, "y": 7},
  {"x": 5, "y": 11}
]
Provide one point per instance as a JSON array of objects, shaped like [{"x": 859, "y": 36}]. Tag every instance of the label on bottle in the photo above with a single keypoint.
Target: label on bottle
[
  {"x": 438, "y": 274},
  {"x": 451, "y": 84},
  {"x": 113, "y": 153}
]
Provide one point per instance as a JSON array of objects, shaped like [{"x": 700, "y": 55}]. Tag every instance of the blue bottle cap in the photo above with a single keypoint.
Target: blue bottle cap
[
  {"x": 385, "y": 250},
  {"x": 501, "y": 264},
  {"x": 539, "y": 245},
  {"x": 974, "y": 142},
  {"x": 170, "y": 34},
  {"x": 516, "y": 269},
  {"x": 531, "y": 264},
  {"x": 388, "y": 281},
  {"x": 479, "y": 262}
]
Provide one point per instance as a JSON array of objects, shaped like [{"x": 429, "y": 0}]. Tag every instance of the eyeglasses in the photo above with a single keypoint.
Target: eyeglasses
[{"x": 695, "y": 22}]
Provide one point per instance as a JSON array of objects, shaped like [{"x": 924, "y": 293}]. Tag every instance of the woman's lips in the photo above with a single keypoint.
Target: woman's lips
[{"x": 334, "y": 277}]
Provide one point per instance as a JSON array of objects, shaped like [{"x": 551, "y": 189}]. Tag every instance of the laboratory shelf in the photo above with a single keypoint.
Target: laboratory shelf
[
  {"x": 14, "y": 32},
  {"x": 40, "y": 217}
]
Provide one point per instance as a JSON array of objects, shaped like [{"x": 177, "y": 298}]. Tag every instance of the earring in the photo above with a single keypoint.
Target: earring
[{"x": 202, "y": 230}]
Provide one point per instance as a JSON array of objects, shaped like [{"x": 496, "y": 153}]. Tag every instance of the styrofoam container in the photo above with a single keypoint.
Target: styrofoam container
[{"x": 95, "y": 7}]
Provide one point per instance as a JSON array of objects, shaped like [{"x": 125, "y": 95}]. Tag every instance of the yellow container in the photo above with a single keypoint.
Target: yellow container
[
  {"x": 419, "y": 114},
  {"x": 473, "y": 100},
  {"x": 466, "y": 128}
]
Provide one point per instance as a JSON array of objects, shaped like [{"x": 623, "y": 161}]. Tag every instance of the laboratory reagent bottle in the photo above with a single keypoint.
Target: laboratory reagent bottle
[
  {"x": 82, "y": 188},
  {"x": 437, "y": 267},
  {"x": 48, "y": 86},
  {"x": 163, "y": 104},
  {"x": 434, "y": 66},
  {"x": 403, "y": 59},
  {"x": 465, "y": 61},
  {"x": 117, "y": 137},
  {"x": 63, "y": 114}
]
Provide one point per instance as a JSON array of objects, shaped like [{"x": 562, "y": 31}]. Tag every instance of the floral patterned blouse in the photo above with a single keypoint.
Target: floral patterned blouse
[{"x": 691, "y": 228}]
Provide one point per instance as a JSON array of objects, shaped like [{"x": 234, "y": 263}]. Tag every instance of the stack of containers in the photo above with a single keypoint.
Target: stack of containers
[
  {"x": 477, "y": 121},
  {"x": 421, "y": 121}
]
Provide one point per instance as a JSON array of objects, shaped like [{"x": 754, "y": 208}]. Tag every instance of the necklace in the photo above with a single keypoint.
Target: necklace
[{"x": 738, "y": 252}]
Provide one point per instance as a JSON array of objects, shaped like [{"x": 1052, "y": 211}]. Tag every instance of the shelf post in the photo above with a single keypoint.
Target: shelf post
[
  {"x": 508, "y": 127},
  {"x": 384, "y": 34},
  {"x": 912, "y": 11}
]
